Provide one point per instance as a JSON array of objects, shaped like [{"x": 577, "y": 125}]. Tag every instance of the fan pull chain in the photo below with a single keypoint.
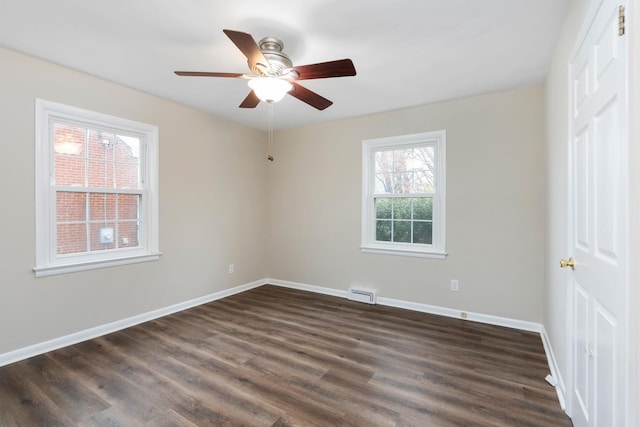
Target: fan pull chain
[{"x": 270, "y": 144}]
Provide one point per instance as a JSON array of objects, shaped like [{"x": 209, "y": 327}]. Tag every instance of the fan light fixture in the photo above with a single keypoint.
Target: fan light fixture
[
  {"x": 270, "y": 89},
  {"x": 273, "y": 75}
]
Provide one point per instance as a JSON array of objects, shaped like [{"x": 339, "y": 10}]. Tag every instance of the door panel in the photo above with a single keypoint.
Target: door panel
[
  {"x": 581, "y": 150},
  {"x": 605, "y": 353},
  {"x": 607, "y": 160},
  {"x": 581, "y": 363}
]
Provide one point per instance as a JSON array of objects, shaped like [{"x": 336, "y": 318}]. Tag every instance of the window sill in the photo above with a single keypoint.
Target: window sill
[
  {"x": 372, "y": 249},
  {"x": 53, "y": 270}
]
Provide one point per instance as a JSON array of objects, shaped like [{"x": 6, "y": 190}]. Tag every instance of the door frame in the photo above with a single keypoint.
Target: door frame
[{"x": 633, "y": 16}]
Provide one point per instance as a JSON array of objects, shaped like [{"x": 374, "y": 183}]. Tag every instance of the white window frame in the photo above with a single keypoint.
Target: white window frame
[
  {"x": 47, "y": 262},
  {"x": 369, "y": 244}
]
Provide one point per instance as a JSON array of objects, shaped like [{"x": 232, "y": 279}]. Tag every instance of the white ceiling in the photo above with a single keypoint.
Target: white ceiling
[{"x": 406, "y": 52}]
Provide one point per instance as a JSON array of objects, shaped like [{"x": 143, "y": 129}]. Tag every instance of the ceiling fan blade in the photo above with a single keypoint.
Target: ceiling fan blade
[
  {"x": 251, "y": 101},
  {"x": 323, "y": 70},
  {"x": 248, "y": 47},
  {"x": 310, "y": 97},
  {"x": 207, "y": 74}
]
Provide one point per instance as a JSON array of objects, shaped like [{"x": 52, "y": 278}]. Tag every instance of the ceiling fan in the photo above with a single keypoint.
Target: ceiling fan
[{"x": 274, "y": 74}]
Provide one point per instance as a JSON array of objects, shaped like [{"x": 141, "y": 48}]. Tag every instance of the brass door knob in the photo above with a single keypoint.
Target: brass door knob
[{"x": 567, "y": 263}]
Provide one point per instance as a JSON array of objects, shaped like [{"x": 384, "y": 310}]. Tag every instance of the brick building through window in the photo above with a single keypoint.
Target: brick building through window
[
  {"x": 97, "y": 197},
  {"x": 98, "y": 183}
]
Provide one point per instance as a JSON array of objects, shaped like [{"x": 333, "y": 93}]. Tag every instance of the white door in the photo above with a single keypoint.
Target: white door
[{"x": 598, "y": 221}]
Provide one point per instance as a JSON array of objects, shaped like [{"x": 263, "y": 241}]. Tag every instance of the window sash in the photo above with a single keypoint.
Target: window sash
[
  {"x": 374, "y": 218},
  {"x": 392, "y": 227},
  {"x": 393, "y": 172},
  {"x": 123, "y": 235}
]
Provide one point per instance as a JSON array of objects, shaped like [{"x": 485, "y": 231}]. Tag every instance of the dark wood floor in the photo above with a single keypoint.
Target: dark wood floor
[{"x": 276, "y": 357}]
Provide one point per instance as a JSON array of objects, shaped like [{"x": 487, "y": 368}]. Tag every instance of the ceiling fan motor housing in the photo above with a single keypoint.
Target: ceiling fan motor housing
[
  {"x": 271, "y": 48},
  {"x": 273, "y": 67}
]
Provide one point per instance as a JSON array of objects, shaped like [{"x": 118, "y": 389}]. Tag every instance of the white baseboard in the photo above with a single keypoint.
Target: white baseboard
[
  {"x": 56, "y": 343},
  {"x": 553, "y": 366},
  {"x": 474, "y": 317},
  {"x": 424, "y": 308},
  {"x": 310, "y": 288}
]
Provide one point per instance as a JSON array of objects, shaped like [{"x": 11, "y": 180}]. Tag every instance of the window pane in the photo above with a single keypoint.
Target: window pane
[
  {"x": 102, "y": 207},
  {"x": 384, "y": 161},
  {"x": 100, "y": 174},
  {"x": 383, "y": 208},
  {"x": 127, "y": 157},
  {"x": 128, "y": 234},
  {"x": 127, "y": 175},
  {"x": 402, "y": 182},
  {"x": 71, "y": 207},
  {"x": 68, "y": 140},
  {"x": 128, "y": 206},
  {"x": 423, "y": 158},
  {"x": 423, "y": 208},
  {"x": 69, "y": 170},
  {"x": 384, "y": 183},
  {"x": 72, "y": 238},
  {"x": 383, "y": 231},
  {"x": 103, "y": 236},
  {"x": 402, "y": 208},
  {"x": 401, "y": 160},
  {"x": 100, "y": 144},
  {"x": 423, "y": 182},
  {"x": 423, "y": 232},
  {"x": 402, "y": 231}
]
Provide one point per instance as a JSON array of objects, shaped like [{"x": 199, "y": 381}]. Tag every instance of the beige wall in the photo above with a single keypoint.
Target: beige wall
[
  {"x": 557, "y": 96},
  {"x": 296, "y": 219},
  {"x": 212, "y": 199},
  {"x": 495, "y": 206}
]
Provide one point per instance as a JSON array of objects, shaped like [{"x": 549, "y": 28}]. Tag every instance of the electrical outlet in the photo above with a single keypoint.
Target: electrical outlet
[
  {"x": 232, "y": 269},
  {"x": 455, "y": 286}
]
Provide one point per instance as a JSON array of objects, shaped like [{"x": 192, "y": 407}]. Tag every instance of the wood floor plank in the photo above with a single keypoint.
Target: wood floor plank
[
  {"x": 21, "y": 395},
  {"x": 274, "y": 356}
]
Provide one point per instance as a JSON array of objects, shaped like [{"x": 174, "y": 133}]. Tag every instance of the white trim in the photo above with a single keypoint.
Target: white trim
[
  {"x": 47, "y": 262},
  {"x": 457, "y": 314},
  {"x": 555, "y": 371},
  {"x": 436, "y": 250},
  {"x": 310, "y": 288},
  {"x": 87, "y": 334},
  {"x": 414, "y": 306},
  {"x": 92, "y": 265},
  {"x": 633, "y": 82},
  {"x": 370, "y": 249}
]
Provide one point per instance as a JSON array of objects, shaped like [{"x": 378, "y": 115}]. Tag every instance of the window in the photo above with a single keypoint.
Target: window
[
  {"x": 96, "y": 190},
  {"x": 403, "y": 195}
]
